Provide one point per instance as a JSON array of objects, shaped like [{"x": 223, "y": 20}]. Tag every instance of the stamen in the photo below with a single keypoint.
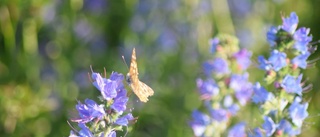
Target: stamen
[
  {"x": 72, "y": 127},
  {"x": 308, "y": 88}
]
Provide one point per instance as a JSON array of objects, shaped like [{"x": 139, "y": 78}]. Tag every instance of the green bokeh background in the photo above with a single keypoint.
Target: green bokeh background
[{"x": 47, "y": 46}]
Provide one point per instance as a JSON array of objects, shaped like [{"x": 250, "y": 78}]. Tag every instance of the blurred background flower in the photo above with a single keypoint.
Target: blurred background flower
[{"x": 47, "y": 46}]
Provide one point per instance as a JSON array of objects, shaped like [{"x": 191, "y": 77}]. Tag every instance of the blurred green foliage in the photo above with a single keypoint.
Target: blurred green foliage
[{"x": 47, "y": 46}]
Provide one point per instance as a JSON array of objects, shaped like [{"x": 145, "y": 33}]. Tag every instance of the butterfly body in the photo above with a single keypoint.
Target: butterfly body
[{"x": 142, "y": 90}]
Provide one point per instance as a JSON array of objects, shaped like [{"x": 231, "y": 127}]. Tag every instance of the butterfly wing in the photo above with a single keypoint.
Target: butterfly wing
[
  {"x": 133, "y": 72},
  {"x": 139, "y": 88},
  {"x": 144, "y": 92}
]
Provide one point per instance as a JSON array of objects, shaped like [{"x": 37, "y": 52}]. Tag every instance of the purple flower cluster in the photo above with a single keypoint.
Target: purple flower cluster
[
  {"x": 276, "y": 61},
  {"x": 104, "y": 119},
  {"x": 279, "y": 97},
  {"x": 261, "y": 95},
  {"x": 282, "y": 106},
  {"x": 238, "y": 130},
  {"x": 286, "y": 38},
  {"x": 241, "y": 87},
  {"x": 297, "y": 113},
  {"x": 199, "y": 123},
  {"x": 224, "y": 89}
]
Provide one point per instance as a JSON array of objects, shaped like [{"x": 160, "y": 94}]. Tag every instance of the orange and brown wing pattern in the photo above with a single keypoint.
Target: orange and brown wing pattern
[
  {"x": 134, "y": 68},
  {"x": 139, "y": 88},
  {"x": 145, "y": 91}
]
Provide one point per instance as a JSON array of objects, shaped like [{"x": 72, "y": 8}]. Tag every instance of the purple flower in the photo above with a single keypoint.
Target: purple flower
[
  {"x": 237, "y": 130},
  {"x": 124, "y": 120},
  {"x": 245, "y": 94},
  {"x": 286, "y": 128},
  {"x": 241, "y": 8},
  {"x": 261, "y": 95},
  {"x": 84, "y": 30},
  {"x": 118, "y": 78},
  {"x": 301, "y": 60},
  {"x": 89, "y": 111},
  {"x": 256, "y": 133},
  {"x": 119, "y": 104},
  {"x": 208, "y": 67},
  {"x": 292, "y": 84},
  {"x": 242, "y": 88},
  {"x": 85, "y": 131},
  {"x": 95, "y": 6},
  {"x": 168, "y": 40},
  {"x": 227, "y": 101},
  {"x": 243, "y": 58},
  {"x": 219, "y": 115},
  {"x": 107, "y": 87},
  {"x": 272, "y": 36},
  {"x": 231, "y": 107},
  {"x": 269, "y": 126},
  {"x": 218, "y": 65},
  {"x": 277, "y": 60},
  {"x": 109, "y": 91},
  {"x": 298, "y": 112},
  {"x": 120, "y": 101},
  {"x": 207, "y": 88},
  {"x": 302, "y": 39},
  {"x": 199, "y": 122},
  {"x": 238, "y": 81},
  {"x": 112, "y": 90},
  {"x": 264, "y": 64},
  {"x": 214, "y": 43},
  {"x": 98, "y": 81},
  {"x": 291, "y": 23}
]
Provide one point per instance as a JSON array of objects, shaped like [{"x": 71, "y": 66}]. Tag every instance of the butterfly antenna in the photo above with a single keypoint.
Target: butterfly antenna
[{"x": 124, "y": 60}]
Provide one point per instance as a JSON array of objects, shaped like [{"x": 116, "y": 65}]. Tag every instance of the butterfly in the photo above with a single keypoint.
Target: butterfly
[{"x": 139, "y": 88}]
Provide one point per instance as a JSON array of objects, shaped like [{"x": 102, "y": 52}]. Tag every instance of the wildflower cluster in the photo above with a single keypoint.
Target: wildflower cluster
[
  {"x": 224, "y": 88},
  {"x": 108, "y": 117},
  {"x": 280, "y": 99}
]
